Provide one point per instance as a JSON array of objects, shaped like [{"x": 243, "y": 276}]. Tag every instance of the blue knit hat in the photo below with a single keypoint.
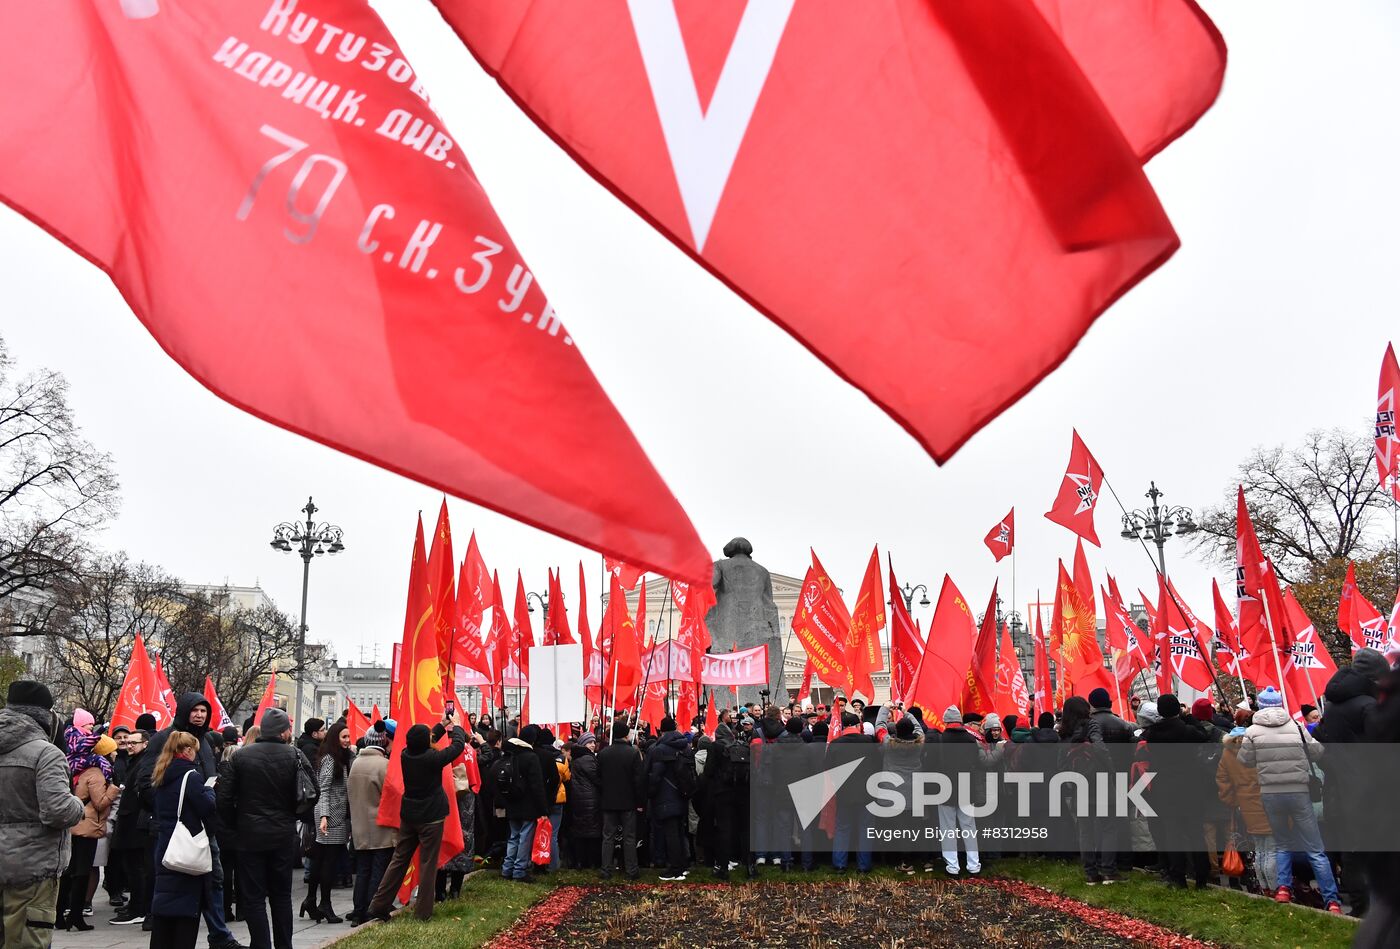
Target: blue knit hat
[{"x": 1270, "y": 698}]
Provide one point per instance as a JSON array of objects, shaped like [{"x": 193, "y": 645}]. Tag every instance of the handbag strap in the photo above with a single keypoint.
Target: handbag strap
[
  {"x": 1307, "y": 758},
  {"x": 180, "y": 807}
]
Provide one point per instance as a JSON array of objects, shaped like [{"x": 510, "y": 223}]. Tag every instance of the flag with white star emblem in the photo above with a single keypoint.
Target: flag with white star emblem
[{"x": 1079, "y": 493}]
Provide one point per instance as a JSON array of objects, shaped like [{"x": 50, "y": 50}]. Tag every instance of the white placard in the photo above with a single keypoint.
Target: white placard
[{"x": 556, "y": 683}]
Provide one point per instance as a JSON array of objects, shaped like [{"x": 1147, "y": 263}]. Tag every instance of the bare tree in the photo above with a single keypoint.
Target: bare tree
[
  {"x": 1310, "y": 504},
  {"x": 98, "y": 609},
  {"x": 236, "y": 646},
  {"x": 55, "y": 488}
]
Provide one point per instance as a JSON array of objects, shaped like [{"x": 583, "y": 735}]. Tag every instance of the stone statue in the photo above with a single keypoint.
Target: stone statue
[{"x": 744, "y": 614}]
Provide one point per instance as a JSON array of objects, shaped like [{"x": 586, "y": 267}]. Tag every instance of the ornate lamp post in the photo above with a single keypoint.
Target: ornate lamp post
[
  {"x": 908, "y": 592},
  {"x": 1157, "y": 523},
  {"x": 543, "y": 599},
  {"x": 309, "y": 540}
]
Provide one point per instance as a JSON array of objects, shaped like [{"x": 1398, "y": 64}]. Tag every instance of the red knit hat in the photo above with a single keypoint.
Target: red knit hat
[{"x": 1202, "y": 710}]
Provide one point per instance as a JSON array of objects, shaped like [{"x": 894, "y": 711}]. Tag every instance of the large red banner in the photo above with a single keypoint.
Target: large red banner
[
  {"x": 268, "y": 187},
  {"x": 963, "y": 177}
]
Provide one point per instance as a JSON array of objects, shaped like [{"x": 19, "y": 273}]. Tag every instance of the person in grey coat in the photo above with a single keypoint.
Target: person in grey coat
[
  {"x": 37, "y": 808},
  {"x": 1283, "y": 753}
]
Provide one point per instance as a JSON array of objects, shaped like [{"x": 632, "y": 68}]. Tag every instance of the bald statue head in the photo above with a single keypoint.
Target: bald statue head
[{"x": 738, "y": 546}]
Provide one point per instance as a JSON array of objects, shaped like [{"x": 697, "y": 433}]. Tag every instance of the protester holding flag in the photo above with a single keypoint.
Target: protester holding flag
[
  {"x": 258, "y": 796},
  {"x": 422, "y": 814}
]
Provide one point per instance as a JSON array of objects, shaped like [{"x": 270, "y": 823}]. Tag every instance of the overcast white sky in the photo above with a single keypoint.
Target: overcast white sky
[{"x": 1269, "y": 321}]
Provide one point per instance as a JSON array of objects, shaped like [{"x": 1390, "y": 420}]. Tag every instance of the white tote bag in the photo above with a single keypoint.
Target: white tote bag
[{"x": 187, "y": 852}]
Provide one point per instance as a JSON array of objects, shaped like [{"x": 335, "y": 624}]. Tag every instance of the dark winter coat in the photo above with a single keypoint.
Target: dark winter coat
[
  {"x": 531, "y": 803},
  {"x": 844, "y": 750},
  {"x": 663, "y": 798},
  {"x": 585, "y": 795},
  {"x": 424, "y": 801},
  {"x": 175, "y": 893},
  {"x": 549, "y": 771},
  {"x": 1351, "y": 703},
  {"x": 206, "y": 758},
  {"x": 135, "y": 825},
  {"x": 1176, "y": 790},
  {"x": 257, "y": 794},
  {"x": 623, "y": 777}
]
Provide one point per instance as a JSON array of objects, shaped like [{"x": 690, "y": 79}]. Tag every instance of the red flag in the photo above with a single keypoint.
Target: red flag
[
  {"x": 375, "y": 715},
  {"x": 522, "y": 634},
  {"x": 1387, "y": 441},
  {"x": 804, "y": 691},
  {"x": 165, "y": 693},
  {"x": 1011, "y": 695},
  {"x": 473, "y": 597},
  {"x": 422, "y": 703},
  {"x": 863, "y": 651},
  {"x": 1124, "y": 644},
  {"x": 355, "y": 722},
  {"x": 468, "y": 648},
  {"x": 906, "y": 645},
  {"x": 1187, "y": 642},
  {"x": 443, "y": 596},
  {"x": 1001, "y": 540},
  {"x": 1013, "y": 213},
  {"x": 1249, "y": 583},
  {"x": 219, "y": 719},
  {"x": 623, "y": 654},
  {"x": 268, "y": 700},
  {"x": 822, "y": 626},
  {"x": 1083, "y": 669},
  {"x": 1114, "y": 591},
  {"x": 1043, "y": 692},
  {"x": 139, "y": 693},
  {"x": 1083, "y": 579},
  {"x": 693, "y": 602},
  {"x": 711, "y": 715},
  {"x": 584, "y": 635},
  {"x": 687, "y": 704},
  {"x": 1309, "y": 666},
  {"x": 1079, "y": 493},
  {"x": 1229, "y": 653},
  {"x": 653, "y": 705},
  {"x": 557, "y": 632},
  {"x": 979, "y": 694},
  {"x": 1359, "y": 619},
  {"x": 642, "y": 631},
  {"x": 626, "y": 574},
  {"x": 272, "y": 194},
  {"x": 1149, "y": 608},
  {"x": 942, "y": 674}
]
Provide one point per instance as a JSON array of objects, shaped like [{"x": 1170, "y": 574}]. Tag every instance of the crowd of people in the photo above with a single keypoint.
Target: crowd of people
[{"x": 86, "y": 806}]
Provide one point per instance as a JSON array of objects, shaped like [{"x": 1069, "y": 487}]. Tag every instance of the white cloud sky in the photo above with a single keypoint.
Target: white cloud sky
[{"x": 1269, "y": 321}]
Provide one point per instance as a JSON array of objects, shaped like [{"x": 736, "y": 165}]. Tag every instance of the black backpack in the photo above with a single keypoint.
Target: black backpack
[
  {"x": 507, "y": 778},
  {"x": 736, "y": 764},
  {"x": 683, "y": 777}
]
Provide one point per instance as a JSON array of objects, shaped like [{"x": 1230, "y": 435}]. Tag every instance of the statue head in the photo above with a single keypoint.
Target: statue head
[{"x": 738, "y": 546}]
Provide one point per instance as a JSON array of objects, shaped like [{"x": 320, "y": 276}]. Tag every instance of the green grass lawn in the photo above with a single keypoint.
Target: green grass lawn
[
  {"x": 490, "y": 904},
  {"x": 1215, "y": 915}
]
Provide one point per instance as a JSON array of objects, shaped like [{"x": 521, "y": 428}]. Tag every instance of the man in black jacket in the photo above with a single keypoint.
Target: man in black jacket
[
  {"x": 422, "y": 816},
  {"x": 667, "y": 806},
  {"x": 257, "y": 801},
  {"x": 192, "y": 713},
  {"x": 133, "y": 838},
  {"x": 851, "y": 816},
  {"x": 1351, "y": 703},
  {"x": 1118, "y": 736},
  {"x": 623, "y": 778},
  {"x": 1177, "y": 793}
]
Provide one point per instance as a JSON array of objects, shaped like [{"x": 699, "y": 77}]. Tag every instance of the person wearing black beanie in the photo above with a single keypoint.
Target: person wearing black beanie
[
  {"x": 1179, "y": 794},
  {"x": 146, "y": 722}
]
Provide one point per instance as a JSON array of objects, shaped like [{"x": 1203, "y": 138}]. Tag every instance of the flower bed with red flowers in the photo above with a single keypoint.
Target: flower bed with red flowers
[{"x": 883, "y": 912}]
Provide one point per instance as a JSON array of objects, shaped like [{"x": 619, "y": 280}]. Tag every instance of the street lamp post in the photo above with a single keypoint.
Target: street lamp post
[
  {"x": 309, "y": 540},
  {"x": 908, "y": 592},
  {"x": 542, "y": 599},
  {"x": 1157, "y": 523}
]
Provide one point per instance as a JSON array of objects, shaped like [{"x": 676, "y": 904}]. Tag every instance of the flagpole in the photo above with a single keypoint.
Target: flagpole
[
  {"x": 670, "y": 637},
  {"x": 1273, "y": 647},
  {"x": 1162, "y": 572}
]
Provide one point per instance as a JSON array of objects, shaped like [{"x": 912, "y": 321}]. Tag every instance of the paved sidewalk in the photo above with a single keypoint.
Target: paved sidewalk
[{"x": 305, "y": 934}]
